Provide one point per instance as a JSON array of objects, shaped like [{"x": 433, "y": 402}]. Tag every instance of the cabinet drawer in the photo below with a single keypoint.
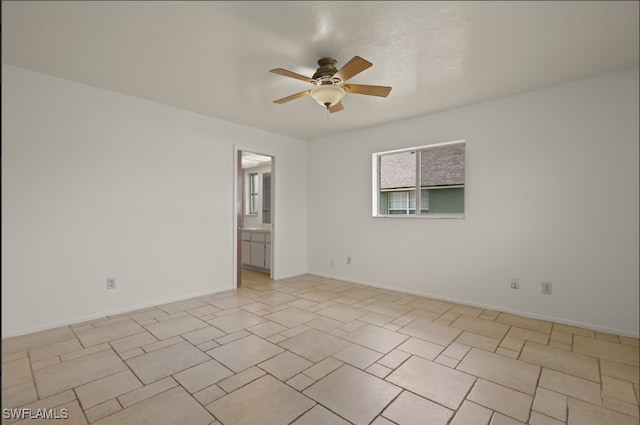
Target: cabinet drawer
[{"x": 258, "y": 237}]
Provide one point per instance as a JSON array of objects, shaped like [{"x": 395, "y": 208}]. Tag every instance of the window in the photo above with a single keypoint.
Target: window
[
  {"x": 253, "y": 194},
  {"x": 436, "y": 170}
]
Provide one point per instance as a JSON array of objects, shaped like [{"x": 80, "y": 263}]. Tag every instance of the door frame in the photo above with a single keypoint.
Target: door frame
[{"x": 238, "y": 216}]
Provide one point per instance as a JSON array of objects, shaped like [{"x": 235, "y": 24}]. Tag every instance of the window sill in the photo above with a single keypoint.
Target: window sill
[{"x": 420, "y": 216}]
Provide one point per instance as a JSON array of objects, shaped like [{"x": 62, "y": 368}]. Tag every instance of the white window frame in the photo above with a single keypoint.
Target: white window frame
[
  {"x": 253, "y": 193},
  {"x": 375, "y": 183}
]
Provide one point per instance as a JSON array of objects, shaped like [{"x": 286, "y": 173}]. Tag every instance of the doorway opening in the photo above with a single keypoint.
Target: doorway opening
[{"x": 254, "y": 212}]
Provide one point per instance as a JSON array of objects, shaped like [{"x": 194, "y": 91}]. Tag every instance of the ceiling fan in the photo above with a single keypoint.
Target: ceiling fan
[{"x": 330, "y": 84}]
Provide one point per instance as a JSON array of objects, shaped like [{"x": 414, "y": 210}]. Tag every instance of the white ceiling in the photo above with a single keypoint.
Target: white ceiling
[{"x": 214, "y": 57}]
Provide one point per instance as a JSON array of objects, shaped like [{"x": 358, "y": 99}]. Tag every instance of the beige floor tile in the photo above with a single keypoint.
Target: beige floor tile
[
  {"x": 66, "y": 375},
  {"x": 389, "y": 309},
  {"x": 510, "y": 343},
  {"x": 244, "y": 353},
  {"x": 563, "y": 361},
  {"x": 380, "y": 420},
  {"x": 620, "y": 371},
  {"x": 433, "y": 381},
  {"x": 574, "y": 330},
  {"x": 438, "y": 334},
  {"x": 410, "y": 409},
  {"x": 44, "y": 363},
  {"x": 166, "y": 361},
  {"x": 357, "y": 356},
  {"x": 489, "y": 315},
  {"x": 275, "y": 298},
  {"x": 319, "y": 296},
  {"x": 480, "y": 326},
  {"x": 394, "y": 359},
  {"x": 472, "y": 414},
  {"x": 145, "y": 315},
  {"x": 202, "y": 335},
  {"x": 323, "y": 368},
  {"x": 237, "y": 321},
  {"x": 170, "y": 328},
  {"x": 621, "y": 406},
  {"x": 232, "y": 337},
  {"x": 540, "y": 419},
  {"x": 618, "y": 389},
  {"x": 426, "y": 350},
  {"x": 528, "y": 335},
  {"x": 375, "y": 338},
  {"x": 228, "y": 301},
  {"x": 353, "y": 394},
  {"x": 300, "y": 382},
  {"x": 55, "y": 349},
  {"x": 70, "y": 413},
  {"x": 551, "y": 403},
  {"x": 343, "y": 313},
  {"x": 184, "y": 305},
  {"x": 581, "y": 413},
  {"x": 203, "y": 375},
  {"x": 133, "y": 341},
  {"x": 271, "y": 401},
  {"x": 85, "y": 352},
  {"x": 173, "y": 407},
  {"x": 607, "y": 350},
  {"x": 456, "y": 350},
  {"x": 428, "y": 304},
  {"x": 109, "y": 332},
  {"x": 379, "y": 370},
  {"x": 147, "y": 391},
  {"x": 209, "y": 394},
  {"x": 102, "y": 410},
  {"x": 37, "y": 339},
  {"x": 107, "y": 388},
  {"x": 571, "y": 386},
  {"x": 291, "y": 317},
  {"x": 500, "y": 419},
  {"x": 607, "y": 337},
  {"x": 236, "y": 381},
  {"x": 16, "y": 372},
  {"x": 525, "y": 322},
  {"x": 479, "y": 341},
  {"x": 314, "y": 345},
  {"x": 266, "y": 329},
  {"x": 417, "y": 313},
  {"x": 502, "y": 399},
  {"x": 19, "y": 395},
  {"x": 15, "y": 356},
  {"x": 447, "y": 361},
  {"x": 509, "y": 372},
  {"x": 162, "y": 344},
  {"x": 285, "y": 365},
  {"x": 324, "y": 324},
  {"x": 358, "y": 293},
  {"x": 318, "y": 415},
  {"x": 466, "y": 310},
  {"x": 634, "y": 342},
  {"x": 204, "y": 311}
]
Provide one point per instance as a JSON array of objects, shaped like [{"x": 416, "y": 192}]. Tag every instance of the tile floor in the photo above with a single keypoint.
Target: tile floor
[{"x": 316, "y": 351}]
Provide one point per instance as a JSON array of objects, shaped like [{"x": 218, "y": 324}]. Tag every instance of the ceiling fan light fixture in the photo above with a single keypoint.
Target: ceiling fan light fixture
[{"x": 327, "y": 95}]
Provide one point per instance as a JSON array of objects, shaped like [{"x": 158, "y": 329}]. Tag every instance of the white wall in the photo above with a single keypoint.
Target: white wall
[
  {"x": 98, "y": 184},
  {"x": 551, "y": 195}
]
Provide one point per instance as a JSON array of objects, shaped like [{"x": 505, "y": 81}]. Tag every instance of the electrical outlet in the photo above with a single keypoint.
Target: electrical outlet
[
  {"x": 515, "y": 284},
  {"x": 348, "y": 260},
  {"x": 546, "y": 287},
  {"x": 111, "y": 283}
]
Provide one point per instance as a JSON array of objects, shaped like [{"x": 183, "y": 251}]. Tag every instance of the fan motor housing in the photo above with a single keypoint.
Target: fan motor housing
[{"x": 326, "y": 69}]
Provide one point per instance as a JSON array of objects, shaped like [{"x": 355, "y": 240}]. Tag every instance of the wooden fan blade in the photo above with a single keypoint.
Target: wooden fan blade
[
  {"x": 351, "y": 68},
  {"x": 292, "y": 97},
  {"x": 291, "y": 74},
  {"x": 336, "y": 108},
  {"x": 381, "y": 91}
]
